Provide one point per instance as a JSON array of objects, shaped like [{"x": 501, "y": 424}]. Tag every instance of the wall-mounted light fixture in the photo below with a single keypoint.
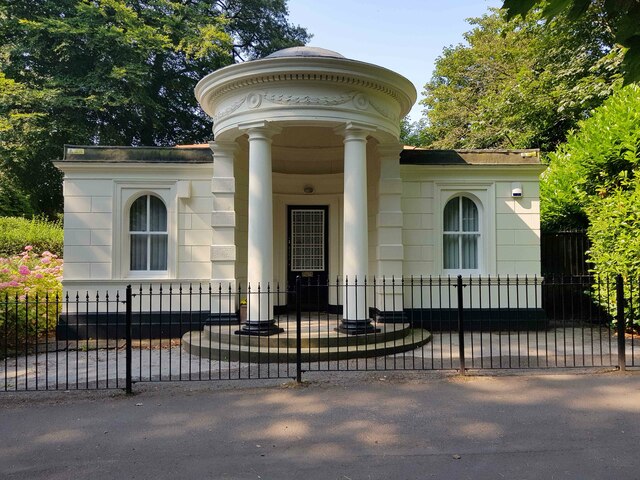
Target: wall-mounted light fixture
[
  {"x": 516, "y": 189},
  {"x": 308, "y": 189}
]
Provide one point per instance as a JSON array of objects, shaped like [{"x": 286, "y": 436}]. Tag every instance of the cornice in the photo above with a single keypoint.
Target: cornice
[
  {"x": 339, "y": 72},
  {"x": 446, "y": 169},
  {"x": 79, "y": 167}
]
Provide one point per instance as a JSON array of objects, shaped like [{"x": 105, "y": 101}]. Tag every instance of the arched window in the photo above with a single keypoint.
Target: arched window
[
  {"x": 461, "y": 234},
  {"x": 148, "y": 234}
]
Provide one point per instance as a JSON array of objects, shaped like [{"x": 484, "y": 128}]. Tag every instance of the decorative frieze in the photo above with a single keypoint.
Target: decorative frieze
[
  {"x": 256, "y": 99},
  {"x": 225, "y": 112},
  {"x": 326, "y": 100}
]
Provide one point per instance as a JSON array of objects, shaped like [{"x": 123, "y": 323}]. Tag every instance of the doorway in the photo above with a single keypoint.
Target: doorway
[{"x": 308, "y": 255}]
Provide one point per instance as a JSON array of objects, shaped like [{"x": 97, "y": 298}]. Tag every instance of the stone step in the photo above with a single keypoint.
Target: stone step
[
  {"x": 204, "y": 345},
  {"x": 313, "y": 335}
]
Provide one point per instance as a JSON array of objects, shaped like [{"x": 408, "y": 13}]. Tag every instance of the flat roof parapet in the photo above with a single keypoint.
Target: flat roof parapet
[
  {"x": 418, "y": 156},
  {"x": 111, "y": 154}
]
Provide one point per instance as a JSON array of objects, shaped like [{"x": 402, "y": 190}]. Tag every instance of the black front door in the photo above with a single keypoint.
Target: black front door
[{"x": 308, "y": 255}]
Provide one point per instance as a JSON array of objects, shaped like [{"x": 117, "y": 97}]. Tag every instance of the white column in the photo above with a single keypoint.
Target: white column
[
  {"x": 355, "y": 243},
  {"x": 223, "y": 223},
  {"x": 260, "y": 232},
  {"x": 389, "y": 221}
]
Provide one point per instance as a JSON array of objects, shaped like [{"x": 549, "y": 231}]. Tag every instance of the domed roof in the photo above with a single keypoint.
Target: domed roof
[{"x": 305, "y": 52}]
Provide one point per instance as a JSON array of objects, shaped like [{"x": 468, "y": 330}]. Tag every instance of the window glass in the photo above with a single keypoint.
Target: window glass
[
  {"x": 452, "y": 216},
  {"x": 158, "y": 215},
  {"x": 138, "y": 215},
  {"x": 138, "y": 252},
  {"x": 451, "y": 252},
  {"x": 469, "y": 215},
  {"x": 148, "y": 234},
  {"x": 469, "y": 249},
  {"x": 461, "y": 234},
  {"x": 158, "y": 252}
]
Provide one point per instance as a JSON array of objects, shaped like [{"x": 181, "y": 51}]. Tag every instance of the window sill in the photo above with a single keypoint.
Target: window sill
[{"x": 147, "y": 275}]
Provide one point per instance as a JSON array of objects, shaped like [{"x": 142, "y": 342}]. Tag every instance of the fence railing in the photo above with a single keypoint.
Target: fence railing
[
  {"x": 564, "y": 252},
  {"x": 207, "y": 332}
]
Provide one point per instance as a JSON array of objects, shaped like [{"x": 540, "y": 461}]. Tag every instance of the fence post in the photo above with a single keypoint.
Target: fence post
[
  {"x": 622, "y": 360},
  {"x": 128, "y": 307},
  {"x": 298, "y": 331},
  {"x": 461, "y": 325}
]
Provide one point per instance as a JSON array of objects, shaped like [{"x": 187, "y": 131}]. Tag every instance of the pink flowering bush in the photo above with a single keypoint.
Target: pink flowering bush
[{"x": 30, "y": 296}]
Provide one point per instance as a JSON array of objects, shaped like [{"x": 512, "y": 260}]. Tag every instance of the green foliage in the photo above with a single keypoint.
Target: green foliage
[
  {"x": 615, "y": 245},
  {"x": 414, "y": 133},
  {"x": 522, "y": 83},
  {"x": 30, "y": 292},
  {"x": 116, "y": 72},
  {"x": 598, "y": 160},
  {"x": 594, "y": 181},
  {"x": 622, "y": 17},
  {"x": 613, "y": 231},
  {"x": 13, "y": 202},
  {"x": 41, "y": 234}
]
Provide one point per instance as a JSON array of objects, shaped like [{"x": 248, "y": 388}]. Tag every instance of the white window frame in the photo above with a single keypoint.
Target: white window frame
[
  {"x": 125, "y": 194},
  {"x": 483, "y": 195},
  {"x": 459, "y": 234},
  {"x": 148, "y": 234}
]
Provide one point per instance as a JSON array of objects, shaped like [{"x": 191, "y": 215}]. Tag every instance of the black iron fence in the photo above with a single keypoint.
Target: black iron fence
[
  {"x": 564, "y": 252},
  {"x": 205, "y": 332}
]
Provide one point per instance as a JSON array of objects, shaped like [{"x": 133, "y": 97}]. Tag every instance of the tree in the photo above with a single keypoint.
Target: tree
[
  {"x": 622, "y": 17},
  {"x": 116, "y": 72},
  {"x": 13, "y": 202},
  {"x": 414, "y": 133},
  {"x": 521, "y": 83}
]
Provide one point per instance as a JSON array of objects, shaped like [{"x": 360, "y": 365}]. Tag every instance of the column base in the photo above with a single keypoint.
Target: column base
[
  {"x": 263, "y": 328},
  {"x": 357, "y": 327}
]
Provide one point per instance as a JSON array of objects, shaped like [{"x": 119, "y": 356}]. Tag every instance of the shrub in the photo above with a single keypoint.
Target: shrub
[
  {"x": 30, "y": 288},
  {"x": 593, "y": 162},
  {"x": 615, "y": 244},
  {"x": 41, "y": 234},
  {"x": 593, "y": 181}
]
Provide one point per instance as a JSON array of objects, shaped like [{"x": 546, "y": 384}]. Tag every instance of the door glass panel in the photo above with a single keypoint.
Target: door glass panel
[{"x": 307, "y": 240}]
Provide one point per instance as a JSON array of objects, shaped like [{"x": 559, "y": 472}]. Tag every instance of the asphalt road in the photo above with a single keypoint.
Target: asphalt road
[{"x": 347, "y": 426}]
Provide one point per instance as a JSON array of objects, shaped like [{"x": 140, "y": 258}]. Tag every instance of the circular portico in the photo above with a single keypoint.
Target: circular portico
[{"x": 304, "y": 115}]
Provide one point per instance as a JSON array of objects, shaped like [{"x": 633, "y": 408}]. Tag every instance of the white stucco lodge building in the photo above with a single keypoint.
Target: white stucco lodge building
[{"x": 305, "y": 176}]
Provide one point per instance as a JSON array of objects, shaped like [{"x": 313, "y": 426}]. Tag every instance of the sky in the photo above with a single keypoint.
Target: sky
[{"x": 405, "y": 36}]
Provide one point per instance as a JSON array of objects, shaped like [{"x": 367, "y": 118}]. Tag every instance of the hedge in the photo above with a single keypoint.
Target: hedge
[{"x": 42, "y": 235}]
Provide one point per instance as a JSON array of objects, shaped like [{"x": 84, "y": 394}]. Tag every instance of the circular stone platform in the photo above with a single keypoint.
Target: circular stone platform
[{"x": 319, "y": 342}]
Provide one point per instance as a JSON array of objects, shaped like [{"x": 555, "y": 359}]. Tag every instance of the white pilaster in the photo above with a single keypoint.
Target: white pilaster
[
  {"x": 223, "y": 223},
  {"x": 260, "y": 230},
  {"x": 390, "y": 250}
]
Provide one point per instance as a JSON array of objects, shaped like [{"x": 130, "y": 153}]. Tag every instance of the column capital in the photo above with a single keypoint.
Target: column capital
[
  {"x": 390, "y": 150},
  {"x": 261, "y": 129},
  {"x": 354, "y": 130},
  {"x": 223, "y": 148}
]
